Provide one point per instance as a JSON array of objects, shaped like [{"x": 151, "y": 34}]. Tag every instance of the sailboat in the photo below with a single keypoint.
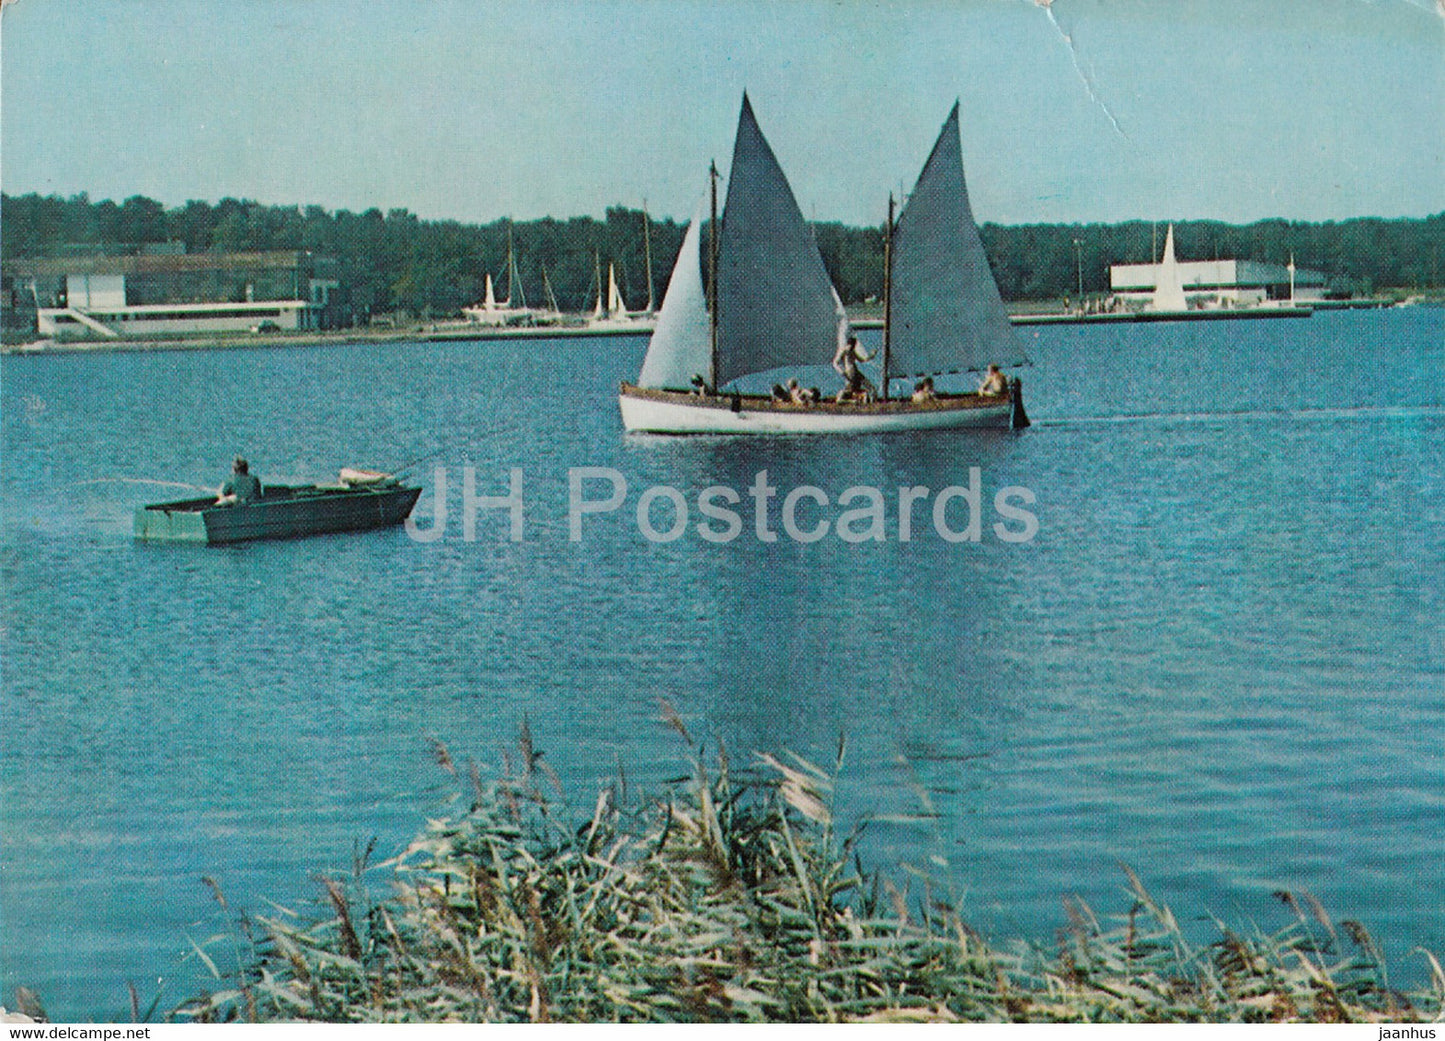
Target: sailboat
[
  {"x": 768, "y": 304},
  {"x": 610, "y": 312},
  {"x": 494, "y": 312}
]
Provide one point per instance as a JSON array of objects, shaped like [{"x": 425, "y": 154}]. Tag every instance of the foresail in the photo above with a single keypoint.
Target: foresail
[
  {"x": 946, "y": 311},
  {"x": 775, "y": 301},
  {"x": 680, "y": 347}
]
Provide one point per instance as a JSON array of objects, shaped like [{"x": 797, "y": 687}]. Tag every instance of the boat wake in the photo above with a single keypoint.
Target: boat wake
[{"x": 1360, "y": 412}]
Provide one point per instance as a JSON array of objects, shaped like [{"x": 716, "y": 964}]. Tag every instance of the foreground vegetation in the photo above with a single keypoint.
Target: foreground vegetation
[
  {"x": 733, "y": 899},
  {"x": 396, "y": 262}
]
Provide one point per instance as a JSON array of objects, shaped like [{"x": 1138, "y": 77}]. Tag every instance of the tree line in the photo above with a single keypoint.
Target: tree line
[{"x": 395, "y": 261}]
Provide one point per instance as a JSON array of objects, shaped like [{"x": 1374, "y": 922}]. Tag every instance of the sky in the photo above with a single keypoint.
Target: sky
[{"x": 1071, "y": 110}]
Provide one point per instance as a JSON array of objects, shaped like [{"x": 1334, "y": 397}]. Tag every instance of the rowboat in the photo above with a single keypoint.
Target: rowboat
[{"x": 359, "y": 501}]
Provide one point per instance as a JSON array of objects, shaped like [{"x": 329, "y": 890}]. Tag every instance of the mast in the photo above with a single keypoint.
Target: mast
[
  {"x": 712, "y": 282},
  {"x": 598, "y": 311},
  {"x": 647, "y": 251},
  {"x": 513, "y": 282},
  {"x": 887, "y": 292}
]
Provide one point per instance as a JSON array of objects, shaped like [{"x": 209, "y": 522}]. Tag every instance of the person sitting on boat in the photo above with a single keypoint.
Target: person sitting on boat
[
  {"x": 798, "y": 394},
  {"x": 923, "y": 390},
  {"x": 781, "y": 394},
  {"x": 700, "y": 387},
  {"x": 995, "y": 383},
  {"x": 856, "y": 387},
  {"x": 243, "y": 486}
]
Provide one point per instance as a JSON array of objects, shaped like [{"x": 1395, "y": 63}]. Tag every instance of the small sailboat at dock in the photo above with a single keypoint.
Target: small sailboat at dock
[
  {"x": 610, "y": 313},
  {"x": 494, "y": 312},
  {"x": 765, "y": 302}
]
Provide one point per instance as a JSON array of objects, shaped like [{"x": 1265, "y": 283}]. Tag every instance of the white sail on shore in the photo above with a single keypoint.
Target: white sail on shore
[
  {"x": 511, "y": 311},
  {"x": 615, "y": 306},
  {"x": 1168, "y": 285},
  {"x": 947, "y": 315}
]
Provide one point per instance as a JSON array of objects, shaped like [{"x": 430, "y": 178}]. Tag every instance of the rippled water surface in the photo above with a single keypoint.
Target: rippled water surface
[{"x": 1220, "y": 660}]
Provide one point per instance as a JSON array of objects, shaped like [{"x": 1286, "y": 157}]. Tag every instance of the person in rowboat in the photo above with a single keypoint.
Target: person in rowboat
[
  {"x": 857, "y": 387},
  {"x": 995, "y": 383},
  {"x": 242, "y": 487}
]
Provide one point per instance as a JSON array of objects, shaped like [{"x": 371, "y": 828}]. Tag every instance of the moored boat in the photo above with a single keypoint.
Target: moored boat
[
  {"x": 494, "y": 312},
  {"x": 765, "y": 302},
  {"x": 360, "y": 501}
]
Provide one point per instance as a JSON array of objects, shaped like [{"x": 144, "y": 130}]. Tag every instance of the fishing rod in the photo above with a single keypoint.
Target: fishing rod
[
  {"x": 145, "y": 480},
  {"x": 417, "y": 462}
]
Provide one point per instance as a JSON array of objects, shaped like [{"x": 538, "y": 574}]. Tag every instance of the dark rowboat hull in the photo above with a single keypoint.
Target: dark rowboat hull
[{"x": 282, "y": 513}]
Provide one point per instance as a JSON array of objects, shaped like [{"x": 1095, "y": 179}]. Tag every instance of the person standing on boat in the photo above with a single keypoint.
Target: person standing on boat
[
  {"x": 995, "y": 383},
  {"x": 243, "y": 486},
  {"x": 856, "y": 386}
]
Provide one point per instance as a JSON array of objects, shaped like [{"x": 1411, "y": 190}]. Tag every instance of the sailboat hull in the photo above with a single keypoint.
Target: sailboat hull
[{"x": 674, "y": 412}]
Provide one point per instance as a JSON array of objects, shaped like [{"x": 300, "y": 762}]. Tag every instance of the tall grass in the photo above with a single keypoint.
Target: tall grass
[{"x": 732, "y": 898}]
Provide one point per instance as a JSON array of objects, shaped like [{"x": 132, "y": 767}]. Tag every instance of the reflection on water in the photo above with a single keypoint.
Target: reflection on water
[{"x": 1219, "y": 660}]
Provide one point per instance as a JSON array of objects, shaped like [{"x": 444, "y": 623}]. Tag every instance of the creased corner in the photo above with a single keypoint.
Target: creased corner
[{"x": 1084, "y": 77}]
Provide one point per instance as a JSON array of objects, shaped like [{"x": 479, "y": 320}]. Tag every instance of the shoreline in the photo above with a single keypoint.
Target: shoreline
[
  {"x": 410, "y": 334},
  {"x": 863, "y": 318}
]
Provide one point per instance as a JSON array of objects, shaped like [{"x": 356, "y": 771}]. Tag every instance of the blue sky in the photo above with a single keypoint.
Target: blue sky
[{"x": 1081, "y": 110}]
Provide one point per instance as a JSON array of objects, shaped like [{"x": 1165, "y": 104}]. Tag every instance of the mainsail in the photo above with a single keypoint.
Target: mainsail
[
  {"x": 615, "y": 307},
  {"x": 946, "y": 313},
  {"x": 775, "y": 302},
  {"x": 680, "y": 347}
]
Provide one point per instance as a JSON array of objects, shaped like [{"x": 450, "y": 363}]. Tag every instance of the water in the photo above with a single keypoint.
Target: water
[{"x": 1221, "y": 659}]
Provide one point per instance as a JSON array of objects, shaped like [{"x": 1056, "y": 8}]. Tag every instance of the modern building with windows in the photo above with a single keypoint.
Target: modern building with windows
[
  {"x": 172, "y": 293},
  {"x": 1220, "y": 283}
]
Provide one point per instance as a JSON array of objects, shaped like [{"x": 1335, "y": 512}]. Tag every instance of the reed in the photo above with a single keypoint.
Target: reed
[{"x": 730, "y": 897}]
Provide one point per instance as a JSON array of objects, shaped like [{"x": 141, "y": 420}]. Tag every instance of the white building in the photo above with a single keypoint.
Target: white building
[
  {"x": 172, "y": 294},
  {"x": 1219, "y": 283}
]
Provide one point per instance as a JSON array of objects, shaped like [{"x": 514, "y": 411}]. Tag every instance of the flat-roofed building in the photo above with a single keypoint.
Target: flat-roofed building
[
  {"x": 1220, "y": 283},
  {"x": 173, "y": 294}
]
